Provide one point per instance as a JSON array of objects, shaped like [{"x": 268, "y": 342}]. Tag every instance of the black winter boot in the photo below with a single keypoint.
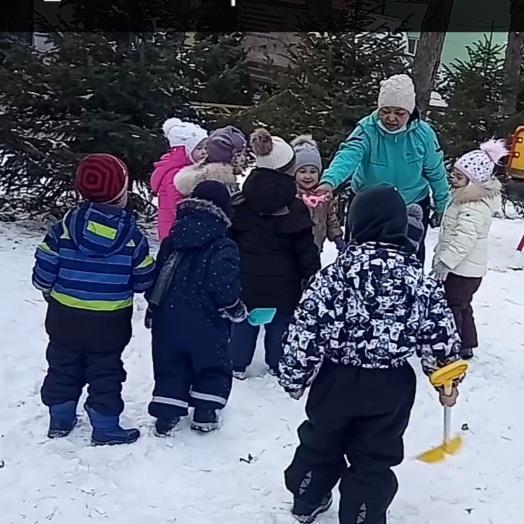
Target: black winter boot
[
  {"x": 164, "y": 426},
  {"x": 467, "y": 353},
  {"x": 306, "y": 512},
  {"x": 205, "y": 420}
]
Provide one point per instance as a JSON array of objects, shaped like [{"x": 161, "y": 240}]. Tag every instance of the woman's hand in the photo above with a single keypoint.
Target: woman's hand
[{"x": 324, "y": 190}]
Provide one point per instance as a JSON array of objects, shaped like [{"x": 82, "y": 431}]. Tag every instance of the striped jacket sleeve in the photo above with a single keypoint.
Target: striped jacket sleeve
[
  {"x": 143, "y": 275},
  {"x": 47, "y": 259}
]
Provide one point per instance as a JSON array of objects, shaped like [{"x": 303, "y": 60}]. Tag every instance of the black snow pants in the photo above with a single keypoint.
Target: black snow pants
[
  {"x": 71, "y": 368},
  {"x": 85, "y": 348},
  {"x": 354, "y": 434}
]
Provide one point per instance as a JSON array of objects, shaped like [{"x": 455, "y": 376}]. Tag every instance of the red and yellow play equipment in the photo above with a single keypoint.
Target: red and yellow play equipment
[{"x": 516, "y": 157}]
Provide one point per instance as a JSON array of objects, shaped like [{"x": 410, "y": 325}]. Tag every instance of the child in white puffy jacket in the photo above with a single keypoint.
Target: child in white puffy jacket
[{"x": 461, "y": 255}]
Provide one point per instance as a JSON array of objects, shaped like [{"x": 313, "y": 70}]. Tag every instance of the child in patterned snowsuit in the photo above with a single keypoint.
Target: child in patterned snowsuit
[{"x": 357, "y": 325}]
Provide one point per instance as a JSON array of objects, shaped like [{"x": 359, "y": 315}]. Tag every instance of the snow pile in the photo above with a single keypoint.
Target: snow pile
[{"x": 235, "y": 475}]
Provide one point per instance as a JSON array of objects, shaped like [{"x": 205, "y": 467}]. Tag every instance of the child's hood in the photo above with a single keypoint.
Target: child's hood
[
  {"x": 199, "y": 223},
  {"x": 268, "y": 192},
  {"x": 100, "y": 230},
  {"x": 382, "y": 282},
  {"x": 173, "y": 160},
  {"x": 487, "y": 192}
]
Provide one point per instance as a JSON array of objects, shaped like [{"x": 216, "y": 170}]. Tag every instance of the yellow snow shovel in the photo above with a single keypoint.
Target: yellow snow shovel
[{"x": 445, "y": 378}]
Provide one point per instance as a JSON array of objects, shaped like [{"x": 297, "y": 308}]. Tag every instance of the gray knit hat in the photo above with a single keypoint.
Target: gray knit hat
[{"x": 306, "y": 153}]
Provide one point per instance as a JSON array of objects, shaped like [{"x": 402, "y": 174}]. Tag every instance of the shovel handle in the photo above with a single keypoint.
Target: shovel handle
[{"x": 447, "y": 424}]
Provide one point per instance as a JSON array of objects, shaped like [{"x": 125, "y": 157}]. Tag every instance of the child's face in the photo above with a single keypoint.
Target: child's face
[
  {"x": 239, "y": 159},
  {"x": 459, "y": 180},
  {"x": 394, "y": 118},
  {"x": 200, "y": 152},
  {"x": 307, "y": 177}
]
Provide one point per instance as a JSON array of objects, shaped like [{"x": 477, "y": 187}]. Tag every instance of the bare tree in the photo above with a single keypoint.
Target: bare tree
[
  {"x": 427, "y": 59},
  {"x": 513, "y": 60}
]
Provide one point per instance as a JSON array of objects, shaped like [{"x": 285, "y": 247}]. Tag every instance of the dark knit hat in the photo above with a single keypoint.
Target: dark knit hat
[
  {"x": 102, "y": 178},
  {"x": 224, "y": 143},
  {"x": 379, "y": 214},
  {"x": 216, "y": 193}
]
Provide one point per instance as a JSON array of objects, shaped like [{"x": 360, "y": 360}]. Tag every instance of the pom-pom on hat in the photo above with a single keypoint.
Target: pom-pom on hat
[
  {"x": 272, "y": 152},
  {"x": 184, "y": 134},
  {"x": 306, "y": 153},
  {"x": 397, "y": 91},
  {"x": 224, "y": 143},
  {"x": 102, "y": 178},
  {"x": 479, "y": 165}
]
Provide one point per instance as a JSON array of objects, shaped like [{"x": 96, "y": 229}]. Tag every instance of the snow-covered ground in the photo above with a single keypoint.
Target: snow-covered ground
[{"x": 235, "y": 476}]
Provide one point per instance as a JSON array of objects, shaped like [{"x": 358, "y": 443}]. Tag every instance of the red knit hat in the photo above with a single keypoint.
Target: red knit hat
[{"x": 102, "y": 178}]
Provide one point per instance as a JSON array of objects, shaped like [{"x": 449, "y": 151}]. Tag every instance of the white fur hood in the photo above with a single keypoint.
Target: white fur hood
[
  {"x": 476, "y": 193},
  {"x": 188, "y": 178}
]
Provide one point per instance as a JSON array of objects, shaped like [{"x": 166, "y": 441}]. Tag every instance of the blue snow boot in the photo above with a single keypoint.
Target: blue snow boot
[
  {"x": 107, "y": 430},
  {"x": 62, "y": 419}
]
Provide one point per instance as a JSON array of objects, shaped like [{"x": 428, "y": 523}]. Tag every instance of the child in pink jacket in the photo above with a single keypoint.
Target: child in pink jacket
[{"x": 188, "y": 146}]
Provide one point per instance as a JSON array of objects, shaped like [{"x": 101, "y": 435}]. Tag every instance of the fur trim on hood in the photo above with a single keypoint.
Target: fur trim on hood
[
  {"x": 188, "y": 178},
  {"x": 205, "y": 205},
  {"x": 476, "y": 192}
]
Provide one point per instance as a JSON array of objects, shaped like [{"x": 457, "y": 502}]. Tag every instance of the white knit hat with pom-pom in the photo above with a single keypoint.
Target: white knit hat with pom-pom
[
  {"x": 185, "y": 134},
  {"x": 479, "y": 165},
  {"x": 272, "y": 152}
]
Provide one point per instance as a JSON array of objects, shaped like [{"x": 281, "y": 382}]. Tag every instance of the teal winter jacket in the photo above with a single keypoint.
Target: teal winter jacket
[{"x": 412, "y": 161}]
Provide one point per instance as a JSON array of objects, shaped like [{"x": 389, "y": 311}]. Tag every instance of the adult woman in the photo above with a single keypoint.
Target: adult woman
[{"x": 393, "y": 146}]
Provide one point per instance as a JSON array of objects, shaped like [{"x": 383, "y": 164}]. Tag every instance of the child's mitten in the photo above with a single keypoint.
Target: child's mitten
[
  {"x": 296, "y": 394},
  {"x": 436, "y": 220},
  {"x": 148, "y": 319},
  {"x": 339, "y": 242},
  {"x": 440, "y": 272},
  {"x": 236, "y": 312}
]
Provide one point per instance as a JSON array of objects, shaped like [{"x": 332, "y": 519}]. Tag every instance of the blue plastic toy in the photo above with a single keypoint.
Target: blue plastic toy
[{"x": 261, "y": 316}]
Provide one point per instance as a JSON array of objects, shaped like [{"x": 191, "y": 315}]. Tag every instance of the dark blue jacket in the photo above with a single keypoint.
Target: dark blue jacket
[
  {"x": 206, "y": 279},
  {"x": 94, "y": 259}
]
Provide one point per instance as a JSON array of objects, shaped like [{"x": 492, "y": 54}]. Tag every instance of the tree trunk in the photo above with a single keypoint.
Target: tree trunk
[
  {"x": 513, "y": 60},
  {"x": 429, "y": 50}
]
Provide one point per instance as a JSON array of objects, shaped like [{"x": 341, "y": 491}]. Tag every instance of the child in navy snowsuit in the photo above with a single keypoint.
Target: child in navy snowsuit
[
  {"x": 356, "y": 327},
  {"x": 88, "y": 267},
  {"x": 194, "y": 301}
]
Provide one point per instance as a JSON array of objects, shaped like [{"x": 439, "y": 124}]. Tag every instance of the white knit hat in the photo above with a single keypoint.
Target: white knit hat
[
  {"x": 479, "y": 165},
  {"x": 272, "y": 152},
  {"x": 184, "y": 134},
  {"x": 397, "y": 91}
]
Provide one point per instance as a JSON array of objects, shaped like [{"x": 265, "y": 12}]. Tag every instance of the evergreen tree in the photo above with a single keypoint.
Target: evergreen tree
[
  {"x": 87, "y": 94},
  {"x": 220, "y": 61},
  {"x": 473, "y": 89},
  {"x": 332, "y": 81}
]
